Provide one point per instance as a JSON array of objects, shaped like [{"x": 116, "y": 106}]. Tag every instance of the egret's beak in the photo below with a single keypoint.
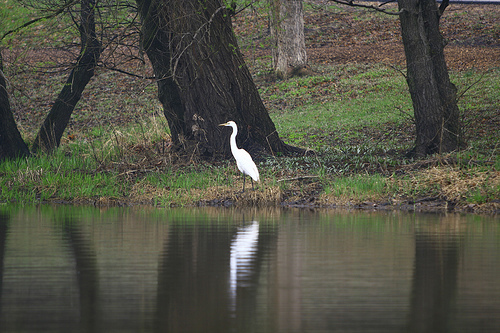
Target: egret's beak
[{"x": 225, "y": 124}]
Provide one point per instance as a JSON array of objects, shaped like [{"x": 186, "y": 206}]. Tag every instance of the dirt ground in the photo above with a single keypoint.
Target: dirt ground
[{"x": 355, "y": 35}]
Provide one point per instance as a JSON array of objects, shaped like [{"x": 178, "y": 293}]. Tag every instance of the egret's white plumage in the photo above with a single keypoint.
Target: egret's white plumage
[{"x": 243, "y": 159}]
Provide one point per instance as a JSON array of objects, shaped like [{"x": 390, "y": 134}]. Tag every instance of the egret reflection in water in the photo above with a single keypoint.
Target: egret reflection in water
[
  {"x": 243, "y": 255},
  {"x": 208, "y": 276}
]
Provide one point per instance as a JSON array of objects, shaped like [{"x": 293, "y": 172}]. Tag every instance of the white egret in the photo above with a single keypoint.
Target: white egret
[{"x": 243, "y": 159}]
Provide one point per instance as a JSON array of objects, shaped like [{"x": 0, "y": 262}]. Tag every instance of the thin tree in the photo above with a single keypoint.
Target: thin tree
[
  {"x": 49, "y": 135},
  {"x": 287, "y": 29},
  {"x": 202, "y": 78}
]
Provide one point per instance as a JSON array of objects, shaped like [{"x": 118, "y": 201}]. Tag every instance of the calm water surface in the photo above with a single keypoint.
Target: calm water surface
[{"x": 74, "y": 269}]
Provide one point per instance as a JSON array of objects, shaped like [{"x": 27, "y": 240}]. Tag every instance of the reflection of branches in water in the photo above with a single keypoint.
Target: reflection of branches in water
[{"x": 191, "y": 280}]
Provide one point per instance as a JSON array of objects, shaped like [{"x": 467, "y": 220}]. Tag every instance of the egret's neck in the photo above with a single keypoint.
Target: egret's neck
[{"x": 232, "y": 140}]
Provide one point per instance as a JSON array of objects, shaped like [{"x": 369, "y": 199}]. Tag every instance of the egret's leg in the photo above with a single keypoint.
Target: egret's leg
[
  {"x": 252, "y": 184},
  {"x": 243, "y": 183}
]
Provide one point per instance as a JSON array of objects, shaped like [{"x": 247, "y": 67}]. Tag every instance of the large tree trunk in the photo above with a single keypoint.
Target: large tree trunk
[
  {"x": 433, "y": 95},
  {"x": 202, "y": 78},
  {"x": 12, "y": 144},
  {"x": 49, "y": 136},
  {"x": 155, "y": 40},
  {"x": 287, "y": 30}
]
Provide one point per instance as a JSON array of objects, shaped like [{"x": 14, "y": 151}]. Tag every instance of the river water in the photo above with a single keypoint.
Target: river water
[{"x": 85, "y": 269}]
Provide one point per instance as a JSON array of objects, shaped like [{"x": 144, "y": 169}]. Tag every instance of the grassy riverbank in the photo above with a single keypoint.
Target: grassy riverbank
[
  {"x": 359, "y": 145},
  {"x": 355, "y": 116}
]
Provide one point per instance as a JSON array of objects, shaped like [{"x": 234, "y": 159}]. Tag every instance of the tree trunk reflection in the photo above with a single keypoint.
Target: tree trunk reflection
[
  {"x": 87, "y": 276},
  {"x": 434, "y": 286}
]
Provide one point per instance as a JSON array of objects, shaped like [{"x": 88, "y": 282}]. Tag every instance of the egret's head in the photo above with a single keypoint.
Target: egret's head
[{"x": 229, "y": 123}]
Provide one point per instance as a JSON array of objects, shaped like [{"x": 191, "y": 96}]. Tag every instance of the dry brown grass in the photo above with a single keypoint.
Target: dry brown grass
[
  {"x": 144, "y": 192},
  {"x": 455, "y": 184},
  {"x": 465, "y": 189}
]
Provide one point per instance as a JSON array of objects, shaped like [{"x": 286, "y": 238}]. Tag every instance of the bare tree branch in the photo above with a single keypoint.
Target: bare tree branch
[
  {"x": 115, "y": 69},
  {"x": 385, "y": 3},
  {"x": 376, "y": 8},
  {"x": 33, "y": 21},
  {"x": 244, "y": 7},
  {"x": 443, "y": 6}
]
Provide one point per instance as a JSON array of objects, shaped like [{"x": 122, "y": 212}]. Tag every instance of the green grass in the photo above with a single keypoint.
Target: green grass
[
  {"x": 84, "y": 168},
  {"x": 58, "y": 176},
  {"x": 12, "y": 15},
  {"x": 348, "y": 100},
  {"x": 359, "y": 186},
  {"x": 59, "y": 30}
]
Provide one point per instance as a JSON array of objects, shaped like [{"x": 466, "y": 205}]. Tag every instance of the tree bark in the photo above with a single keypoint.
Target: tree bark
[
  {"x": 287, "y": 30},
  {"x": 202, "y": 78},
  {"x": 433, "y": 95},
  {"x": 49, "y": 135},
  {"x": 12, "y": 144},
  {"x": 155, "y": 40}
]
